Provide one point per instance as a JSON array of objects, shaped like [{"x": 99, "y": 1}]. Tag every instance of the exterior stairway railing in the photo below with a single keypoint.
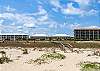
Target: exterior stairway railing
[{"x": 64, "y": 47}]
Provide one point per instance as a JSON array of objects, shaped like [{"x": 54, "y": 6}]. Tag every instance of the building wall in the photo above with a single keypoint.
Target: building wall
[
  {"x": 13, "y": 37},
  {"x": 87, "y": 34},
  {"x": 53, "y": 38}
]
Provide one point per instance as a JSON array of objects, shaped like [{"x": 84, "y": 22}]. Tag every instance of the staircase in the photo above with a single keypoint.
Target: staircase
[
  {"x": 64, "y": 47},
  {"x": 67, "y": 46}
]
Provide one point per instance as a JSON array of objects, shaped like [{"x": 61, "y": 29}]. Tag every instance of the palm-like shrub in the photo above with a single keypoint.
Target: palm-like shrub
[{"x": 4, "y": 59}]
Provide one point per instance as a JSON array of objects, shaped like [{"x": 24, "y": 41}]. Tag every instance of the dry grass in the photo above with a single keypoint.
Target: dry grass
[
  {"x": 49, "y": 44},
  {"x": 31, "y": 44},
  {"x": 83, "y": 44}
]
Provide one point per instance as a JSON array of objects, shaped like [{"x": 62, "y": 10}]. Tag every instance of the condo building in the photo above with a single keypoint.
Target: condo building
[
  {"x": 13, "y": 36},
  {"x": 87, "y": 34},
  {"x": 56, "y": 37}
]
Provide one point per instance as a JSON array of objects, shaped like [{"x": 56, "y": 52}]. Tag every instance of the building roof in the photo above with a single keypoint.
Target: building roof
[
  {"x": 61, "y": 35},
  {"x": 39, "y": 35},
  {"x": 45, "y": 35},
  {"x": 87, "y": 29}
]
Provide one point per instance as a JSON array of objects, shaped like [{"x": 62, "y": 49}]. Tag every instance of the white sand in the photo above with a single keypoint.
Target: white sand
[{"x": 70, "y": 63}]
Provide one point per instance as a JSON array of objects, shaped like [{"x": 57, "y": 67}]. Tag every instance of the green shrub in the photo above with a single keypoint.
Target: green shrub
[
  {"x": 90, "y": 66},
  {"x": 40, "y": 61},
  {"x": 45, "y": 57},
  {"x": 53, "y": 56},
  {"x": 25, "y": 51},
  {"x": 4, "y": 60}
]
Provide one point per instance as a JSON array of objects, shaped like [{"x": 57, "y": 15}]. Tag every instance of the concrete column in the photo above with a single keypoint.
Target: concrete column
[
  {"x": 10, "y": 37},
  {"x": 89, "y": 34},
  {"x": 93, "y": 34},
  {"x": 85, "y": 35},
  {"x": 14, "y": 37},
  {"x": 6, "y": 36},
  {"x": 22, "y": 36},
  {"x": 1, "y": 37},
  {"x": 98, "y": 34},
  {"x": 74, "y": 35},
  {"x": 80, "y": 34}
]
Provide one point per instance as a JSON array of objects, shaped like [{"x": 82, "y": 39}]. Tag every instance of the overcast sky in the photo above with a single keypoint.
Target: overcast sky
[{"x": 48, "y": 16}]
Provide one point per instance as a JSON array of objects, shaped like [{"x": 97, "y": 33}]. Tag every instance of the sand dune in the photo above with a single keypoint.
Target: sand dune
[{"x": 70, "y": 63}]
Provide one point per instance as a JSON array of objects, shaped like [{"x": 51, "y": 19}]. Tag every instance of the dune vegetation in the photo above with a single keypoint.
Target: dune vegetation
[
  {"x": 45, "y": 58},
  {"x": 89, "y": 66}
]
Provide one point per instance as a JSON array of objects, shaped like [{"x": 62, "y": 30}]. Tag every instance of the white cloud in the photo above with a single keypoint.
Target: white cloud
[
  {"x": 10, "y": 27},
  {"x": 22, "y": 22},
  {"x": 7, "y": 15},
  {"x": 19, "y": 27},
  {"x": 43, "y": 18},
  {"x": 53, "y": 24},
  {"x": 20, "y": 18},
  {"x": 55, "y": 3},
  {"x": 29, "y": 25},
  {"x": 41, "y": 11},
  {"x": 55, "y": 9},
  {"x": 40, "y": 31},
  {"x": 92, "y": 12},
  {"x": 82, "y": 2},
  {"x": 9, "y": 9},
  {"x": 73, "y": 26},
  {"x": 13, "y": 24},
  {"x": 1, "y": 21},
  {"x": 1, "y": 27},
  {"x": 91, "y": 27},
  {"x": 98, "y": 1},
  {"x": 40, "y": 2},
  {"x": 71, "y": 10}
]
